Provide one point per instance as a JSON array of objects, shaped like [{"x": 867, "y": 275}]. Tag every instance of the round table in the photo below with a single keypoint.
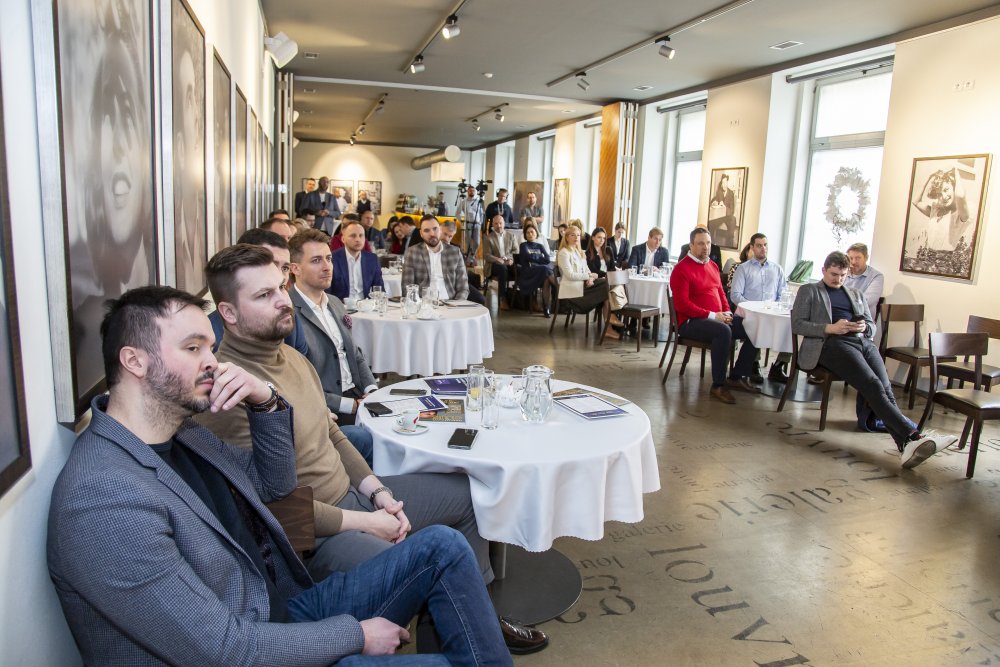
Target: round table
[
  {"x": 532, "y": 483},
  {"x": 393, "y": 283},
  {"x": 652, "y": 291},
  {"x": 770, "y": 326},
  {"x": 462, "y": 336}
]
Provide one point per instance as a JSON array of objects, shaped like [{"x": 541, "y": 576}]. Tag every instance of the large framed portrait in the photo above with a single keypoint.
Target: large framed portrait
[
  {"x": 726, "y": 205},
  {"x": 15, "y": 452},
  {"x": 222, "y": 113},
  {"x": 943, "y": 215},
  {"x": 189, "y": 154},
  {"x": 560, "y": 201},
  {"x": 521, "y": 191},
  {"x": 240, "y": 161},
  {"x": 106, "y": 150},
  {"x": 372, "y": 191},
  {"x": 344, "y": 192}
]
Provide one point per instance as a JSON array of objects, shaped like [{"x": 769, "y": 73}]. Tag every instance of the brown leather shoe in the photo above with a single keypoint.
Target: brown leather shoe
[
  {"x": 504, "y": 306},
  {"x": 521, "y": 639},
  {"x": 722, "y": 394},
  {"x": 742, "y": 384}
]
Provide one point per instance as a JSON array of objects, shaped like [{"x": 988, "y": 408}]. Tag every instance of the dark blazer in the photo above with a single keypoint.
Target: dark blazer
[
  {"x": 505, "y": 210},
  {"x": 325, "y": 223},
  {"x": 595, "y": 263},
  {"x": 322, "y": 355},
  {"x": 300, "y": 199},
  {"x": 147, "y": 575},
  {"x": 714, "y": 254},
  {"x": 812, "y": 312},
  {"x": 371, "y": 274},
  {"x": 619, "y": 251},
  {"x": 294, "y": 339},
  {"x": 638, "y": 256}
]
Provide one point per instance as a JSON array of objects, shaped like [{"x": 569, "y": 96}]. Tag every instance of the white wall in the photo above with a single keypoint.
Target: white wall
[
  {"x": 32, "y": 628},
  {"x": 928, "y": 118}
]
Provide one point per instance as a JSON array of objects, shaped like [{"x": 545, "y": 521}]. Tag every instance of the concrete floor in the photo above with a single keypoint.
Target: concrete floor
[{"x": 770, "y": 543}]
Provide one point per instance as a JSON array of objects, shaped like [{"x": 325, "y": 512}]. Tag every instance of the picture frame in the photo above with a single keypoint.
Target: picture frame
[
  {"x": 560, "y": 201},
  {"x": 521, "y": 190},
  {"x": 943, "y": 215},
  {"x": 346, "y": 196},
  {"x": 373, "y": 189},
  {"x": 253, "y": 160},
  {"x": 15, "y": 449},
  {"x": 222, "y": 114},
  {"x": 726, "y": 205},
  {"x": 240, "y": 163},
  {"x": 189, "y": 159},
  {"x": 104, "y": 241}
]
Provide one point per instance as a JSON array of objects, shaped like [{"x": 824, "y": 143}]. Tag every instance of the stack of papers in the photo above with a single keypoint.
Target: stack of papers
[
  {"x": 588, "y": 406},
  {"x": 447, "y": 386},
  {"x": 576, "y": 391},
  {"x": 421, "y": 403}
]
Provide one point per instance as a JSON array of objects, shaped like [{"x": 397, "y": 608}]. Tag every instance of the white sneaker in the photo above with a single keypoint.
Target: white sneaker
[{"x": 917, "y": 451}]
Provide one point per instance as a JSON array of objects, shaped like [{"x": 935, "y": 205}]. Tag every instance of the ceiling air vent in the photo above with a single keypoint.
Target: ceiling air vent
[{"x": 785, "y": 45}]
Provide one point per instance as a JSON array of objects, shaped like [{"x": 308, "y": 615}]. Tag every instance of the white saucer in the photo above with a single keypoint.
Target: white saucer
[
  {"x": 420, "y": 430},
  {"x": 432, "y": 317}
]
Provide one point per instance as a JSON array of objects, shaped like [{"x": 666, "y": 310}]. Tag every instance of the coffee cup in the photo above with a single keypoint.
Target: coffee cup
[
  {"x": 366, "y": 305},
  {"x": 407, "y": 420}
]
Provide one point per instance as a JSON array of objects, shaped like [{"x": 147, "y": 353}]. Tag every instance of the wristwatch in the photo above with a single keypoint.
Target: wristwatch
[
  {"x": 267, "y": 405},
  {"x": 378, "y": 491}
]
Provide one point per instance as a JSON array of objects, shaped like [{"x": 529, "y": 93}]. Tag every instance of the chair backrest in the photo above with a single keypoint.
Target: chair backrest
[
  {"x": 617, "y": 278},
  {"x": 957, "y": 344},
  {"x": 673, "y": 313},
  {"x": 900, "y": 312},
  {"x": 984, "y": 325},
  {"x": 295, "y": 514}
]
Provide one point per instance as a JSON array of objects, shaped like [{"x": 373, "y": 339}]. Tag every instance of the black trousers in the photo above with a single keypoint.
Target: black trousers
[{"x": 721, "y": 335}]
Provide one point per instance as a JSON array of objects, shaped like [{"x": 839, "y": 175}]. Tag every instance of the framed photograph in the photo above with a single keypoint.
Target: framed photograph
[
  {"x": 725, "y": 207},
  {"x": 372, "y": 191},
  {"x": 253, "y": 160},
  {"x": 521, "y": 191},
  {"x": 344, "y": 192},
  {"x": 189, "y": 154},
  {"x": 222, "y": 113},
  {"x": 944, "y": 213},
  {"x": 241, "y": 161},
  {"x": 560, "y": 201},
  {"x": 15, "y": 452},
  {"x": 104, "y": 101}
]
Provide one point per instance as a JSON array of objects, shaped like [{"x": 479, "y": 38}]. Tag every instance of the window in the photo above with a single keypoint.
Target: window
[
  {"x": 845, "y": 163},
  {"x": 686, "y": 179},
  {"x": 548, "y": 143}
]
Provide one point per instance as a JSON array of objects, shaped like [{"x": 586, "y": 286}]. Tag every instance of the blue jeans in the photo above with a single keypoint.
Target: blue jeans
[
  {"x": 361, "y": 438},
  {"x": 435, "y": 567}
]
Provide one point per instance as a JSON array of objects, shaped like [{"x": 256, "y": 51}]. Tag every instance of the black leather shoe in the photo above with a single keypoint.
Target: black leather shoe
[
  {"x": 520, "y": 639},
  {"x": 755, "y": 375},
  {"x": 777, "y": 373},
  {"x": 742, "y": 384},
  {"x": 547, "y": 312}
]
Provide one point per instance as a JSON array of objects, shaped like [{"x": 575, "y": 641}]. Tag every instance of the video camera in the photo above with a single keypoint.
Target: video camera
[{"x": 481, "y": 187}]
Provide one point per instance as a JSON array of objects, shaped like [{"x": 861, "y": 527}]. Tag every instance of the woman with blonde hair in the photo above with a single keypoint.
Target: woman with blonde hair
[{"x": 584, "y": 289}]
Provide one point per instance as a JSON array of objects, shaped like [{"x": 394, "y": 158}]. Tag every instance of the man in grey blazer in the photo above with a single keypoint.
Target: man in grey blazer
[
  {"x": 837, "y": 329},
  {"x": 435, "y": 262},
  {"x": 161, "y": 548},
  {"x": 498, "y": 258},
  {"x": 341, "y": 365}
]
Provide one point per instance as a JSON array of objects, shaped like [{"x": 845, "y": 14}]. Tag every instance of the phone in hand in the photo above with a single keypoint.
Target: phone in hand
[{"x": 462, "y": 438}]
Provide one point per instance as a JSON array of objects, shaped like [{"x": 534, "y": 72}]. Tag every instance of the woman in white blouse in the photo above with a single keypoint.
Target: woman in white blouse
[{"x": 577, "y": 282}]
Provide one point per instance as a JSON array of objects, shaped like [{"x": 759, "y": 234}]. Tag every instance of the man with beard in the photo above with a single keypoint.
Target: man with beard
[
  {"x": 324, "y": 205},
  {"x": 446, "y": 234},
  {"x": 358, "y": 516},
  {"x": 435, "y": 263},
  {"x": 161, "y": 548}
]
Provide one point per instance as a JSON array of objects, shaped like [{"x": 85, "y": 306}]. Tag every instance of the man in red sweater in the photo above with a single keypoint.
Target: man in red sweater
[{"x": 703, "y": 314}]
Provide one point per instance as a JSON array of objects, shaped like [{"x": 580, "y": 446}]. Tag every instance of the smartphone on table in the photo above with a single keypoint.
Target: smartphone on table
[{"x": 462, "y": 438}]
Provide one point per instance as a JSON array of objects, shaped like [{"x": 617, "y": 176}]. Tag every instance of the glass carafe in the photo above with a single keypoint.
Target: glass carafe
[
  {"x": 536, "y": 400},
  {"x": 411, "y": 304}
]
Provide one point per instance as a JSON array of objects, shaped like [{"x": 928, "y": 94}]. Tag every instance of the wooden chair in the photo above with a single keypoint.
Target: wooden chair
[
  {"x": 570, "y": 309},
  {"x": 912, "y": 355},
  {"x": 690, "y": 343},
  {"x": 825, "y": 374},
  {"x": 975, "y": 404},
  {"x": 963, "y": 371},
  {"x": 295, "y": 514},
  {"x": 636, "y": 311}
]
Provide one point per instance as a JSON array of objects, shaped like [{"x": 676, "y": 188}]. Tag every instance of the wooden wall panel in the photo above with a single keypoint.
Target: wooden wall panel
[{"x": 608, "y": 169}]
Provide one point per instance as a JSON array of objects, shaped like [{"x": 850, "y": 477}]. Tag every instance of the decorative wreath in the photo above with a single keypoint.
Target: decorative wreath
[{"x": 852, "y": 178}]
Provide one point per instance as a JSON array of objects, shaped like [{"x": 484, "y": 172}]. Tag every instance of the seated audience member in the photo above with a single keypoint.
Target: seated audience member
[
  {"x": 337, "y": 241},
  {"x": 161, "y": 548},
  {"x": 300, "y": 224},
  {"x": 372, "y": 235},
  {"x": 309, "y": 216},
  {"x": 279, "y": 214},
  {"x": 600, "y": 262},
  {"x": 865, "y": 278},
  {"x": 436, "y": 263},
  {"x": 703, "y": 314},
  {"x": 535, "y": 267},
  {"x": 651, "y": 253},
  {"x": 619, "y": 247},
  {"x": 555, "y": 243},
  {"x": 387, "y": 233},
  {"x": 403, "y": 231},
  {"x": 498, "y": 258},
  {"x": 355, "y": 270},
  {"x": 760, "y": 279},
  {"x": 727, "y": 280},
  {"x": 837, "y": 329},
  {"x": 280, "y": 226},
  {"x": 584, "y": 236},
  {"x": 446, "y": 234},
  {"x": 577, "y": 282},
  {"x": 714, "y": 254}
]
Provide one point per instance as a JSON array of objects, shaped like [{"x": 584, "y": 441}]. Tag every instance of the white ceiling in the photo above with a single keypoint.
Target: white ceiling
[{"x": 364, "y": 46}]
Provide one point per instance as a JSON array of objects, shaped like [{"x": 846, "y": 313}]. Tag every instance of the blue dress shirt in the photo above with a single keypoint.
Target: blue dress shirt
[{"x": 757, "y": 281}]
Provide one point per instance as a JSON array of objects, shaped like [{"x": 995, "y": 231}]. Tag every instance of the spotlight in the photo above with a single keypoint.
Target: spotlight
[
  {"x": 352, "y": 139},
  {"x": 475, "y": 123},
  {"x": 361, "y": 130},
  {"x": 581, "y": 81},
  {"x": 380, "y": 108},
  {"x": 451, "y": 28},
  {"x": 417, "y": 65},
  {"x": 665, "y": 50},
  {"x": 295, "y": 142},
  {"x": 281, "y": 48}
]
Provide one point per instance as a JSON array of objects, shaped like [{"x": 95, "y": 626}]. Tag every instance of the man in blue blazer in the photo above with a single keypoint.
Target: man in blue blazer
[
  {"x": 651, "y": 253},
  {"x": 161, "y": 548},
  {"x": 355, "y": 270}
]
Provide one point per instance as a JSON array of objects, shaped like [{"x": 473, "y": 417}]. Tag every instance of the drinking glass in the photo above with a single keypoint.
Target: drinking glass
[
  {"x": 474, "y": 392},
  {"x": 491, "y": 405}
]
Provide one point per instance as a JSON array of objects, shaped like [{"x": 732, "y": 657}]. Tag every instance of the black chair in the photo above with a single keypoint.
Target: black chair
[
  {"x": 912, "y": 355},
  {"x": 821, "y": 373},
  {"x": 963, "y": 370},
  {"x": 691, "y": 344},
  {"x": 571, "y": 309},
  {"x": 636, "y": 311},
  {"x": 977, "y": 405}
]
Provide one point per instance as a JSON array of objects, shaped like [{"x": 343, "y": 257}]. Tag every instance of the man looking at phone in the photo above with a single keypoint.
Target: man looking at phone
[{"x": 837, "y": 329}]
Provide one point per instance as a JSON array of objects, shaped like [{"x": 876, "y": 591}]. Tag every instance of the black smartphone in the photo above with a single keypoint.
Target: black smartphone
[
  {"x": 463, "y": 438},
  {"x": 858, "y": 318},
  {"x": 377, "y": 409},
  {"x": 407, "y": 392}
]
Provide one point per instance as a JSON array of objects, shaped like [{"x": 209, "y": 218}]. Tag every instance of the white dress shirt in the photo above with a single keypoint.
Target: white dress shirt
[
  {"x": 650, "y": 256},
  {"x": 357, "y": 285},
  {"x": 326, "y": 319},
  {"x": 437, "y": 274}
]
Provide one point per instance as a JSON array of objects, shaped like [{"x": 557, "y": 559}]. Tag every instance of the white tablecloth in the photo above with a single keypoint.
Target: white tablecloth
[
  {"x": 393, "y": 283},
  {"x": 532, "y": 483},
  {"x": 767, "y": 325},
  {"x": 649, "y": 292},
  {"x": 461, "y": 337}
]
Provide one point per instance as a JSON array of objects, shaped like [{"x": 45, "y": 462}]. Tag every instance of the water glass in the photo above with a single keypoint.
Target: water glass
[
  {"x": 491, "y": 407},
  {"x": 474, "y": 391}
]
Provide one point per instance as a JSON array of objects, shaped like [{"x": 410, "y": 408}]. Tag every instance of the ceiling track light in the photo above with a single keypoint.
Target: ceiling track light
[
  {"x": 497, "y": 112},
  {"x": 417, "y": 66},
  {"x": 666, "y": 50},
  {"x": 352, "y": 139},
  {"x": 281, "y": 48},
  {"x": 581, "y": 81},
  {"x": 361, "y": 129},
  {"x": 451, "y": 28},
  {"x": 380, "y": 107},
  {"x": 475, "y": 124},
  {"x": 498, "y": 115},
  {"x": 377, "y": 107}
]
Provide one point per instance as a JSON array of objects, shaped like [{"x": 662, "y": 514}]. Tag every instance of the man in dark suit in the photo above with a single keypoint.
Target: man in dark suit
[
  {"x": 501, "y": 207},
  {"x": 325, "y": 206},
  {"x": 651, "y": 253},
  {"x": 161, "y": 548},
  {"x": 355, "y": 269},
  {"x": 374, "y": 236},
  {"x": 300, "y": 197},
  {"x": 434, "y": 262},
  {"x": 837, "y": 330}
]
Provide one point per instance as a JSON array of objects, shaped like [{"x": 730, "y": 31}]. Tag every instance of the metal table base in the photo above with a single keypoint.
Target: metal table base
[{"x": 533, "y": 587}]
